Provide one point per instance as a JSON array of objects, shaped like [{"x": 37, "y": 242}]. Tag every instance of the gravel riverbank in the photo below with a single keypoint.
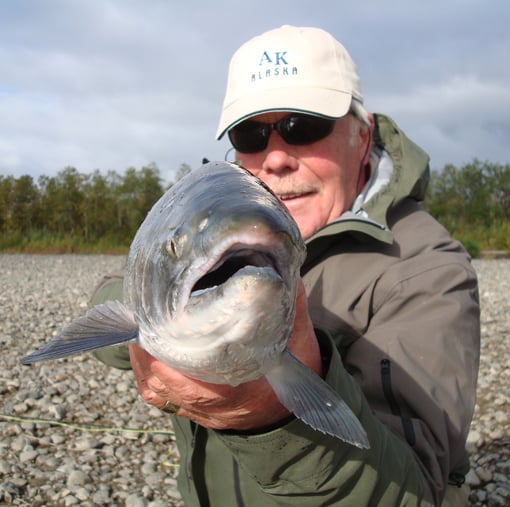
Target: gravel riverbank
[{"x": 106, "y": 447}]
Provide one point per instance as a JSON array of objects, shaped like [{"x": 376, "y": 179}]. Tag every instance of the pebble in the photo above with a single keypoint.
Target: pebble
[
  {"x": 43, "y": 464},
  {"x": 484, "y": 474},
  {"x": 472, "y": 478},
  {"x": 27, "y": 455},
  {"x": 5, "y": 467},
  {"x": 135, "y": 501},
  {"x": 86, "y": 443},
  {"x": 76, "y": 478},
  {"x": 101, "y": 497}
]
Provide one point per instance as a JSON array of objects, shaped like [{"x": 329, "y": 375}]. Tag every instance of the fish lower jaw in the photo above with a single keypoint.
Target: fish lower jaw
[
  {"x": 212, "y": 370},
  {"x": 218, "y": 298}
]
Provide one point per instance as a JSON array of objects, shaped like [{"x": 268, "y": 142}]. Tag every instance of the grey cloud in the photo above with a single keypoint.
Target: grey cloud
[{"x": 116, "y": 83}]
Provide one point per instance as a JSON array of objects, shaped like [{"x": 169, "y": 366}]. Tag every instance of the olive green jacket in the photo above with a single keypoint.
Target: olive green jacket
[{"x": 395, "y": 304}]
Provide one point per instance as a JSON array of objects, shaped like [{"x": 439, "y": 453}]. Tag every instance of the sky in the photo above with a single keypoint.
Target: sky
[{"x": 113, "y": 84}]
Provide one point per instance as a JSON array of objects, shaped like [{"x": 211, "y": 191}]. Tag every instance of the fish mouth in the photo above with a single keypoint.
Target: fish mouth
[
  {"x": 268, "y": 257},
  {"x": 233, "y": 261}
]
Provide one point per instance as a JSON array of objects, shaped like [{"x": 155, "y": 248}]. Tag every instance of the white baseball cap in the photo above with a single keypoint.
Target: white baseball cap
[{"x": 289, "y": 69}]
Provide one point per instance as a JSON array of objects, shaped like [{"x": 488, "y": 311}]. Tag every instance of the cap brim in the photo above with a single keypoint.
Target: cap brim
[{"x": 317, "y": 101}]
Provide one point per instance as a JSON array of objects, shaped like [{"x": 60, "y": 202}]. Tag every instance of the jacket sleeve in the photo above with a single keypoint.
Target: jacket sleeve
[
  {"x": 316, "y": 469},
  {"x": 110, "y": 289}
]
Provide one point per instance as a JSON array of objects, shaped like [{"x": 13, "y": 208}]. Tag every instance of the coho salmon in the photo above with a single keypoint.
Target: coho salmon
[{"x": 210, "y": 287}]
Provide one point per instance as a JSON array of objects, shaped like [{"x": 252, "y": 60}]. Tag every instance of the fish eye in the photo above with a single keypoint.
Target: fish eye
[{"x": 175, "y": 245}]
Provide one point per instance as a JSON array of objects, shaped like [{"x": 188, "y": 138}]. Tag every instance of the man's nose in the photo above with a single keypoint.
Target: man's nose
[{"x": 279, "y": 155}]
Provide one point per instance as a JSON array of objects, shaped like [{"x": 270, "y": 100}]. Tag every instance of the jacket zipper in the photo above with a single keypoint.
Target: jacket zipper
[
  {"x": 237, "y": 484},
  {"x": 407, "y": 424},
  {"x": 195, "y": 467}
]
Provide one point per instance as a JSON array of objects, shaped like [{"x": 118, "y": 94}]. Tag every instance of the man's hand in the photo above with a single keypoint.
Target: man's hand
[{"x": 249, "y": 406}]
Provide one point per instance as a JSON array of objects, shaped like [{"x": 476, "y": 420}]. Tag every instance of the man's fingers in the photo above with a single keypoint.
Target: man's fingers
[{"x": 151, "y": 389}]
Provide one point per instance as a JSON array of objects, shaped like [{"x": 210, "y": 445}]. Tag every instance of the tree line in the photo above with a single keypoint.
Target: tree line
[
  {"x": 473, "y": 203},
  {"x": 74, "y": 211}
]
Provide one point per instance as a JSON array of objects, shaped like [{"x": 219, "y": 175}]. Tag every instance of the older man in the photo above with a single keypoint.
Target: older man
[{"x": 387, "y": 314}]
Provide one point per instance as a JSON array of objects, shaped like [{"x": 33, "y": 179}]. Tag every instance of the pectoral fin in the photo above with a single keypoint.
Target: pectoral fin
[
  {"x": 103, "y": 325},
  {"x": 313, "y": 401}
]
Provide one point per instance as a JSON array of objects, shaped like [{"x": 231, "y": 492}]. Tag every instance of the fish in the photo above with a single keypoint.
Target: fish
[{"x": 210, "y": 286}]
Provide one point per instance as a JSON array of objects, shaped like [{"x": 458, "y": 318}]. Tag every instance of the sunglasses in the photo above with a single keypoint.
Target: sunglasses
[{"x": 298, "y": 129}]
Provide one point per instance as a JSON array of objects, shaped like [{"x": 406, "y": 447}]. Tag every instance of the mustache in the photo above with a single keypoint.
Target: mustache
[{"x": 292, "y": 188}]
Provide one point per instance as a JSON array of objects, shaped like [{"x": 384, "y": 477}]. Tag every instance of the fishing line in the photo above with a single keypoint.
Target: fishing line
[{"x": 83, "y": 427}]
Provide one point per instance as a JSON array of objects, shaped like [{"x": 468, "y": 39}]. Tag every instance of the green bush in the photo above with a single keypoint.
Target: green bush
[{"x": 472, "y": 247}]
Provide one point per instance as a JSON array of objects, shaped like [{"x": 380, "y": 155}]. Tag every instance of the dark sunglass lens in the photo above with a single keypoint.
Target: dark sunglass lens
[
  {"x": 250, "y": 136},
  {"x": 301, "y": 129}
]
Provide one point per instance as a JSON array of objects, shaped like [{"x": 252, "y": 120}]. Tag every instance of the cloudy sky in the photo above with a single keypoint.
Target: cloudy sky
[{"x": 112, "y": 84}]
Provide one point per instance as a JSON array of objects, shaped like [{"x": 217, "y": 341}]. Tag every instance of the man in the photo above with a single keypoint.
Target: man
[{"x": 387, "y": 313}]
